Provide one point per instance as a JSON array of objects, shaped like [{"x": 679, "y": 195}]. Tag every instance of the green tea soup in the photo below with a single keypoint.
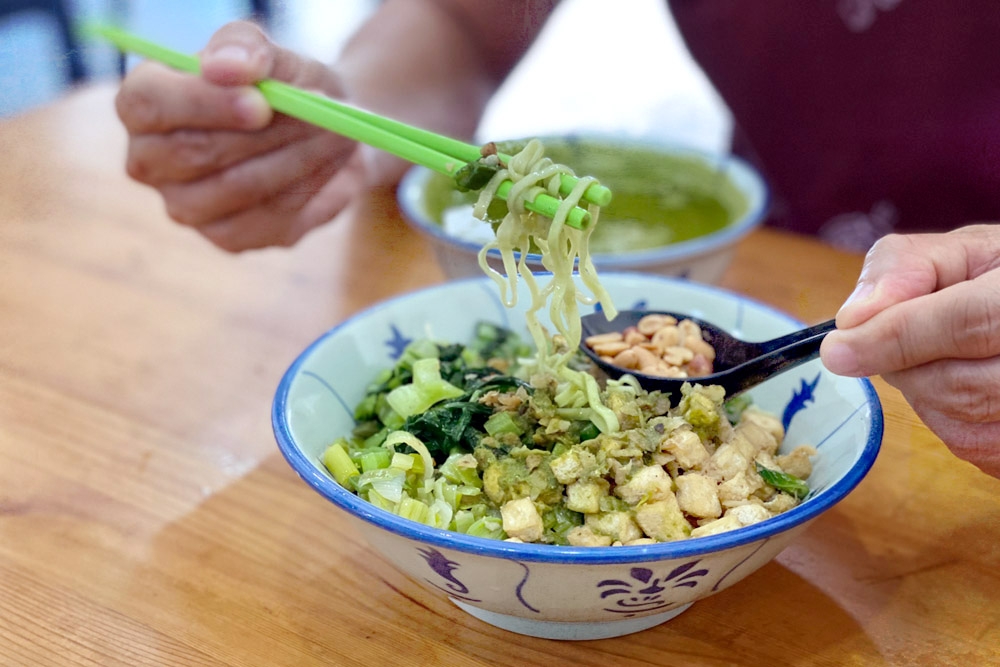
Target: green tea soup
[{"x": 659, "y": 197}]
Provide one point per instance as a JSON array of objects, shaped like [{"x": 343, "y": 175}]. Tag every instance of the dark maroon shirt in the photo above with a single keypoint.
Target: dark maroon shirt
[{"x": 866, "y": 116}]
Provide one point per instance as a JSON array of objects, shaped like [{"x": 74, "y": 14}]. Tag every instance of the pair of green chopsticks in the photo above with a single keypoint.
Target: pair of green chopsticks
[{"x": 434, "y": 151}]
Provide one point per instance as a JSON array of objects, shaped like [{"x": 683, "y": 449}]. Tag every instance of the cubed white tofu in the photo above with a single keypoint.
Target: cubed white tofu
[
  {"x": 522, "y": 520},
  {"x": 663, "y": 520},
  {"x": 718, "y": 526},
  {"x": 759, "y": 438},
  {"x": 748, "y": 514},
  {"x": 584, "y": 536},
  {"x": 740, "y": 487},
  {"x": 771, "y": 423},
  {"x": 573, "y": 465},
  {"x": 567, "y": 467},
  {"x": 727, "y": 462},
  {"x": 585, "y": 495},
  {"x": 797, "y": 461},
  {"x": 619, "y": 526},
  {"x": 698, "y": 495},
  {"x": 686, "y": 447},
  {"x": 781, "y": 502},
  {"x": 646, "y": 483}
]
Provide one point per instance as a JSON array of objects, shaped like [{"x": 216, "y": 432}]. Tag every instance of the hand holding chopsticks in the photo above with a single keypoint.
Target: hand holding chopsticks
[{"x": 437, "y": 152}]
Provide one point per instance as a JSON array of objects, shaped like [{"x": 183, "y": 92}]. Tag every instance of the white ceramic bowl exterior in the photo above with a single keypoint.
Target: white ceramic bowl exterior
[
  {"x": 703, "y": 259},
  {"x": 571, "y": 592}
]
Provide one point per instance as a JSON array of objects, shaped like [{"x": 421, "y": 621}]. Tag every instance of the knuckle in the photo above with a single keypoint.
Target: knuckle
[
  {"x": 225, "y": 236},
  {"x": 890, "y": 244},
  {"x": 184, "y": 211},
  {"x": 137, "y": 109},
  {"x": 959, "y": 391},
  {"x": 137, "y": 168},
  {"x": 194, "y": 151},
  {"x": 976, "y": 325}
]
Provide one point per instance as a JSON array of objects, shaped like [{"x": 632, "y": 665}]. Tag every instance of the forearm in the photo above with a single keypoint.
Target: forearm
[{"x": 436, "y": 63}]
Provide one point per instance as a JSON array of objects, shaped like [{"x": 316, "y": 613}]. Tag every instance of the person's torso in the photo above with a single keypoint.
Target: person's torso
[{"x": 867, "y": 116}]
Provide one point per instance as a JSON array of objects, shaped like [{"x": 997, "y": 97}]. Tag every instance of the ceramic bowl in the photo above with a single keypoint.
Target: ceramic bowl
[
  {"x": 670, "y": 187},
  {"x": 555, "y": 591}
]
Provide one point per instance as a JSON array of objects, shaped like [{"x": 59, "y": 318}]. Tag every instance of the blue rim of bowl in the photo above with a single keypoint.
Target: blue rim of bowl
[
  {"x": 410, "y": 189},
  {"x": 326, "y": 486}
]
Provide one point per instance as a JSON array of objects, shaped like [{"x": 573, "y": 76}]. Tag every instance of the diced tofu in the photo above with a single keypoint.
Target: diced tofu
[
  {"x": 782, "y": 502},
  {"x": 698, "y": 495},
  {"x": 686, "y": 447},
  {"x": 585, "y": 495},
  {"x": 619, "y": 526},
  {"x": 718, "y": 526},
  {"x": 748, "y": 514},
  {"x": 770, "y": 423},
  {"x": 797, "y": 461},
  {"x": 567, "y": 467},
  {"x": 522, "y": 520},
  {"x": 728, "y": 461},
  {"x": 646, "y": 483},
  {"x": 583, "y": 536},
  {"x": 572, "y": 465},
  {"x": 757, "y": 436},
  {"x": 663, "y": 520},
  {"x": 766, "y": 460},
  {"x": 740, "y": 487}
]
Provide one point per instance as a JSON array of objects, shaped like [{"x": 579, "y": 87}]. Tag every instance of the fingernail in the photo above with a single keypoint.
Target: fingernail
[
  {"x": 251, "y": 108},
  {"x": 840, "y": 359},
  {"x": 232, "y": 53}
]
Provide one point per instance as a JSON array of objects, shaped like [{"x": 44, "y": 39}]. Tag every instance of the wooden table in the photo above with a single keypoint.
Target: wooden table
[{"x": 147, "y": 518}]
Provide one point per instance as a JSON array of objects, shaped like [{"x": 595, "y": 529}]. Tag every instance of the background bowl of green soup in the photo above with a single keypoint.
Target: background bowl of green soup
[
  {"x": 675, "y": 211},
  {"x": 555, "y": 590}
]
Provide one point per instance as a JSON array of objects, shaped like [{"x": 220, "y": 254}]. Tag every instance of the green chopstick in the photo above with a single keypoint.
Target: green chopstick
[
  {"x": 434, "y": 151},
  {"x": 595, "y": 194}
]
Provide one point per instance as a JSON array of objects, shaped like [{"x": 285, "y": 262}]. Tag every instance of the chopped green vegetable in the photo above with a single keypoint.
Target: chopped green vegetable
[
  {"x": 375, "y": 459},
  {"x": 735, "y": 406},
  {"x": 426, "y": 389},
  {"x": 502, "y": 422},
  {"x": 339, "y": 464},
  {"x": 449, "y": 427},
  {"x": 782, "y": 481},
  {"x": 474, "y": 176}
]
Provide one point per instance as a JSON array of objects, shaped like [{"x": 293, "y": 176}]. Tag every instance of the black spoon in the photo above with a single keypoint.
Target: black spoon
[{"x": 739, "y": 365}]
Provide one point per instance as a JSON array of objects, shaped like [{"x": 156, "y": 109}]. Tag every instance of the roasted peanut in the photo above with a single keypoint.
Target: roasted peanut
[
  {"x": 598, "y": 339},
  {"x": 627, "y": 359},
  {"x": 650, "y": 324},
  {"x": 700, "y": 346},
  {"x": 666, "y": 337},
  {"x": 677, "y": 356},
  {"x": 633, "y": 336},
  {"x": 658, "y": 345},
  {"x": 611, "y": 348}
]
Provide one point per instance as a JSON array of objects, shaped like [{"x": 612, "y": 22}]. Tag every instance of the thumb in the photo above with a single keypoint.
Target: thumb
[
  {"x": 899, "y": 268},
  {"x": 238, "y": 54}
]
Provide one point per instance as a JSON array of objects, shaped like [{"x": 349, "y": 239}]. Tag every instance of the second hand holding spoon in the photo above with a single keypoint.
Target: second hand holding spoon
[{"x": 739, "y": 365}]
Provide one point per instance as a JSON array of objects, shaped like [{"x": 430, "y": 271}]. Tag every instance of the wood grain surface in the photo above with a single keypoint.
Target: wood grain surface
[{"x": 147, "y": 518}]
